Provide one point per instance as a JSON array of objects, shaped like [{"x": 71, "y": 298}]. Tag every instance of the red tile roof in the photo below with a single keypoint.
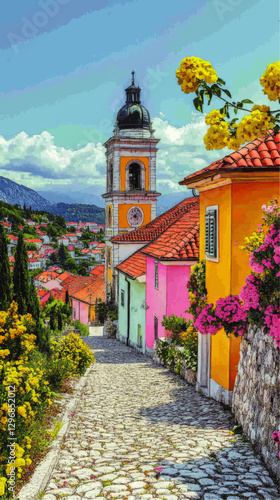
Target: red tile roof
[
  {"x": 179, "y": 242},
  {"x": 96, "y": 290},
  {"x": 100, "y": 245},
  {"x": 154, "y": 228},
  {"x": 64, "y": 276},
  {"x": 98, "y": 271},
  {"x": 134, "y": 266},
  {"x": 260, "y": 155},
  {"x": 33, "y": 240}
]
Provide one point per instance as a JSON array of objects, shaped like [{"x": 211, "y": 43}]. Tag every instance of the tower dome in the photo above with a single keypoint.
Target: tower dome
[{"x": 133, "y": 115}]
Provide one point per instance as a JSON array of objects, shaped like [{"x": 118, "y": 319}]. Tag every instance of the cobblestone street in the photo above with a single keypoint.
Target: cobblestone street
[{"x": 134, "y": 416}]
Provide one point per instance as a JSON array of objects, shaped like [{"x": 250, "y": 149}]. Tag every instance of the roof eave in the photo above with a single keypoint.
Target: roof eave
[{"x": 191, "y": 182}]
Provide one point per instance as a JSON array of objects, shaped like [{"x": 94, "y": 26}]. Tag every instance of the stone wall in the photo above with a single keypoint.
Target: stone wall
[
  {"x": 256, "y": 396},
  {"x": 110, "y": 329}
]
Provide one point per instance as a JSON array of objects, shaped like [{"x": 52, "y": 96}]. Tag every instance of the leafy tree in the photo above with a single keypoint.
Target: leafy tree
[
  {"x": 197, "y": 75},
  {"x": 77, "y": 251},
  {"x": 70, "y": 265},
  {"x": 35, "y": 272},
  {"x": 31, "y": 246},
  {"x": 21, "y": 276},
  {"x": 59, "y": 222},
  {"x": 5, "y": 273},
  {"x": 51, "y": 231},
  {"x": 72, "y": 229},
  {"x": 100, "y": 236}
]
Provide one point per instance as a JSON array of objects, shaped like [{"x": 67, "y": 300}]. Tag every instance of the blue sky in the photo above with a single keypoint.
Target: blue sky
[{"x": 65, "y": 64}]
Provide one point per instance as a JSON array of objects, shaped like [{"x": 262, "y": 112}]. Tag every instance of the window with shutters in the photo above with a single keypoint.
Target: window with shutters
[
  {"x": 156, "y": 274},
  {"x": 156, "y": 327},
  {"x": 211, "y": 233}
]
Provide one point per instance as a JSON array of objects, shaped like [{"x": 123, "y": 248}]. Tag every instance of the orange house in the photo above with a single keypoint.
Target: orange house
[{"x": 232, "y": 191}]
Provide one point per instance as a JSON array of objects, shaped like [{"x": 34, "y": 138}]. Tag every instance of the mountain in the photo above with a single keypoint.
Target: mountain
[
  {"x": 79, "y": 212},
  {"x": 17, "y": 194},
  {"x": 73, "y": 197},
  {"x": 166, "y": 201}
]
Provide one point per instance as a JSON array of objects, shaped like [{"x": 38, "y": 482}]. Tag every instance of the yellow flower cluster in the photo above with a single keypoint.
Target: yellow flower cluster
[
  {"x": 270, "y": 80},
  {"x": 217, "y": 136},
  {"x": 192, "y": 71},
  {"x": 3, "y": 481},
  {"x": 14, "y": 334},
  {"x": 72, "y": 349},
  {"x": 254, "y": 125},
  {"x": 253, "y": 242}
]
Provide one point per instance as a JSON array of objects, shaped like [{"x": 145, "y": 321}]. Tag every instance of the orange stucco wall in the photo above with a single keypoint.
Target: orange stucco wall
[
  {"x": 124, "y": 161},
  {"x": 239, "y": 213},
  {"x": 218, "y": 274},
  {"x": 123, "y": 209},
  {"x": 247, "y": 200}
]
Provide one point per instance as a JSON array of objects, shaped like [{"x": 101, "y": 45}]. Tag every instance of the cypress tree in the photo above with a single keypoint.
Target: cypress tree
[
  {"x": 21, "y": 276},
  {"x": 5, "y": 273},
  {"x": 33, "y": 306}
]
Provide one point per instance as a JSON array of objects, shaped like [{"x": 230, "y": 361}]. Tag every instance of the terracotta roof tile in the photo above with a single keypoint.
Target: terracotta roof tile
[
  {"x": 98, "y": 271},
  {"x": 262, "y": 154},
  {"x": 96, "y": 290},
  {"x": 134, "y": 266},
  {"x": 180, "y": 241},
  {"x": 154, "y": 228}
]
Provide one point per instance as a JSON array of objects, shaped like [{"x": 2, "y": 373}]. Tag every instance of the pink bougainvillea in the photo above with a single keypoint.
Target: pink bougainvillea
[
  {"x": 206, "y": 321},
  {"x": 258, "y": 301},
  {"x": 250, "y": 294},
  {"x": 231, "y": 314},
  {"x": 272, "y": 322},
  {"x": 276, "y": 438}
]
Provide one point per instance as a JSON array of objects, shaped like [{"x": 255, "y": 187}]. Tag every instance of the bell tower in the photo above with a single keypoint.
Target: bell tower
[{"x": 131, "y": 197}]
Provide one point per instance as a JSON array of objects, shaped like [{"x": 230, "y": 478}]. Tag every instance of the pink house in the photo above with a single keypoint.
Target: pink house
[
  {"x": 170, "y": 244},
  {"x": 169, "y": 261}
]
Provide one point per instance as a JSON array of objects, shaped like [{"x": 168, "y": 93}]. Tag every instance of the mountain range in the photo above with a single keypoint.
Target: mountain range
[
  {"x": 16, "y": 194},
  {"x": 69, "y": 204}
]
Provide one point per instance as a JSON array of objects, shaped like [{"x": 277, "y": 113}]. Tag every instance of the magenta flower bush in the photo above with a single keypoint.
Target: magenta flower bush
[
  {"x": 258, "y": 301},
  {"x": 207, "y": 322},
  {"x": 231, "y": 315},
  {"x": 276, "y": 438}
]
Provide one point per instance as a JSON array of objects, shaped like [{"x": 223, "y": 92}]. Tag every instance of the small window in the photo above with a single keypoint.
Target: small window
[
  {"x": 211, "y": 232},
  {"x": 156, "y": 327},
  {"x": 156, "y": 274},
  {"x": 122, "y": 298}
]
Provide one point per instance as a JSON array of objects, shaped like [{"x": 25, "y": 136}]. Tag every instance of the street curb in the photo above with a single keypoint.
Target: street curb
[{"x": 43, "y": 471}]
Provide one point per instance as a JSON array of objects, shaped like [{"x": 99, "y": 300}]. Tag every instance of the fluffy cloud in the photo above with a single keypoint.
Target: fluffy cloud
[{"x": 38, "y": 163}]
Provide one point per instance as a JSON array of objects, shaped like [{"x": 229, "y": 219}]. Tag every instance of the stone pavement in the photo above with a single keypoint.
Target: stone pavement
[{"x": 134, "y": 416}]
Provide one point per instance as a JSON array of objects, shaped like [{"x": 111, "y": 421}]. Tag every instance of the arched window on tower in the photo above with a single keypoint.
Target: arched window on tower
[
  {"x": 110, "y": 177},
  {"x": 134, "y": 176}
]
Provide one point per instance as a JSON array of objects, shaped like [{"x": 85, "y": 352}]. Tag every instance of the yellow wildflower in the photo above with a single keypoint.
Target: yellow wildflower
[{"x": 270, "y": 81}]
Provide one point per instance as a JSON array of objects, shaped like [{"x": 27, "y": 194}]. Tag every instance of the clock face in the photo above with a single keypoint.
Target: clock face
[{"x": 135, "y": 216}]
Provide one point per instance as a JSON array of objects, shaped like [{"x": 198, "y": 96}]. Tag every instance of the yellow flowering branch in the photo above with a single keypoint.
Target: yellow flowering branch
[{"x": 198, "y": 76}]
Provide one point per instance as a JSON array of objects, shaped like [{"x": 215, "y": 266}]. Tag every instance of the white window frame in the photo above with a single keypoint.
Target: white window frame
[{"x": 208, "y": 209}]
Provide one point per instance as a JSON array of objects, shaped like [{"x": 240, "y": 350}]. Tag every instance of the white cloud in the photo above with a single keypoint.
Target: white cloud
[{"x": 38, "y": 163}]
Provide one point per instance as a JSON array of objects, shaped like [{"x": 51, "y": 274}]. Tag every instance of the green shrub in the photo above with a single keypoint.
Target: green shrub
[{"x": 80, "y": 326}]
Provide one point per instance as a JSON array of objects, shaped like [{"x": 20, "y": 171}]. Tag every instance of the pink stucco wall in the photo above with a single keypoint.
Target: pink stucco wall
[
  {"x": 171, "y": 297},
  {"x": 81, "y": 311}
]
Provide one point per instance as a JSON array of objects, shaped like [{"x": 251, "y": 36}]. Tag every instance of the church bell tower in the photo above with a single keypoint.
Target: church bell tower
[{"x": 131, "y": 197}]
